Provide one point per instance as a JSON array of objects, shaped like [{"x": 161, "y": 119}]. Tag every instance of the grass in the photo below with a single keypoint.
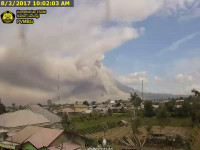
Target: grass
[
  {"x": 175, "y": 122},
  {"x": 93, "y": 124},
  {"x": 101, "y": 120},
  {"x": 88, "y": 124}
]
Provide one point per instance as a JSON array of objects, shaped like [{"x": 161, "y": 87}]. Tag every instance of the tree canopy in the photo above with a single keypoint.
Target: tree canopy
[
  {"x": 135, "y": 99},
  {"x": 86, "y": 103},
  {"x": 148, "y": 109},
  {"x": 2, "y": 108}
]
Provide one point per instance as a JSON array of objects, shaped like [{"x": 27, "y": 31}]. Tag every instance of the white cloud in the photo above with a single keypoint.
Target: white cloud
[
  {"x": 185, "y": 66},
  {"x": 177, "y": 7},
  {"x": 176, "y": 45},
  {"x": 133, "y": 78},
  {"x": 192, "y": 13},
  {"x": 178, "y": 84},
  {"x": 158, "y": 79},
  {"x": 133, "y": 10},
  {"x": 190, "y": 87},
  {"x": 180, "y": 78}
]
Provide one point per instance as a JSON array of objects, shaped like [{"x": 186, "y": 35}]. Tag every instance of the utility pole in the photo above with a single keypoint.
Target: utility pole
[
  {"x": 107, "y": 10},
  {"x": 59, "y": 88},
  {"x": 22, "y": 36},
  {"x": 142, "y": 90}
]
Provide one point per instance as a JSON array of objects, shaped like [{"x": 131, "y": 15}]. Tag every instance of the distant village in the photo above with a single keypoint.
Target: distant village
[{"x": 38, "y": 127}]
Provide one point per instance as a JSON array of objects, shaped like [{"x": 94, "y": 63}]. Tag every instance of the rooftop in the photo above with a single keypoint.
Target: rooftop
[
  {"x": 24, "y": 134},
  {"x": 21, "y": 118},
  {"x": 44, "y": 137},
  {"x": 49, "y": 115}
]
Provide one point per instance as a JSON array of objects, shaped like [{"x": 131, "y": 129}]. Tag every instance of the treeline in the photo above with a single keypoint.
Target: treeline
[
  {"x": 2, "y": 108},
  {"x": 189, "y": 107}
]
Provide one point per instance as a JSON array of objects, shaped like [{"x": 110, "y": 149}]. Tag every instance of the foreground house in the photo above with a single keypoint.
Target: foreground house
[
  {"x": 13, "y": 122},
  {"x": 32, "y": 115},
  {"x": 38, "y": 138},
  {"x": 21, "y": 118}
]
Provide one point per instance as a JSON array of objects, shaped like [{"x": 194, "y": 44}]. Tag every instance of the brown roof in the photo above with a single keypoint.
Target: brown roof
[
  {"x": 44, "y": 137},
  {"x": 24, "y": 134}
]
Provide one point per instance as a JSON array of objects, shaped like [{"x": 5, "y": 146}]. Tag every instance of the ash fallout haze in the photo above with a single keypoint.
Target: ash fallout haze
[{"x": 102, "y": 50}]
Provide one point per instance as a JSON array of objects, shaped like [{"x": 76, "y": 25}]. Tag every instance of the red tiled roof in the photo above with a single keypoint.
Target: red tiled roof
[{"x": 44, "y": 137}]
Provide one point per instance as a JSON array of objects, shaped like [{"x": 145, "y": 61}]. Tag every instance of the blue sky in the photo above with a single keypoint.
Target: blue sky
[
  {"x": 160, "y": 34},
  {"x": 166, "y": 40},
  {"x": 157, "y": 41}
]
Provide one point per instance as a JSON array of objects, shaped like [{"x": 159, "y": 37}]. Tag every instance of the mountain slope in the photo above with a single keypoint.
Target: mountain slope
[{"x": 149, "y": 95}]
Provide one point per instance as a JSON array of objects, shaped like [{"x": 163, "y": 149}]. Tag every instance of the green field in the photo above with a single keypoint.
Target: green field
[
  {"x": 175, "y": 122},
  {"x": 87, "y": 124}
]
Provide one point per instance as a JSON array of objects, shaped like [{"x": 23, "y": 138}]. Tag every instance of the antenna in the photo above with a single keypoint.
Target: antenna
[
  {"x": 107, "y": 10},
  {"x": 59, "y": 88},
  {"x": 22, "y": 35},
  {"x": 4, "y": 122},
  {"x": 142, "y": 90}
]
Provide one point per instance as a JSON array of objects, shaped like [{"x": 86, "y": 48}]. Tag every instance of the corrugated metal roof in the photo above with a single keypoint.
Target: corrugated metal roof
[
  {"x": 50, "y": 116},
  {"x": 44, "y": 137},
  {"x": 21, "y": 118},
  {"x": 24, "y": 134}
]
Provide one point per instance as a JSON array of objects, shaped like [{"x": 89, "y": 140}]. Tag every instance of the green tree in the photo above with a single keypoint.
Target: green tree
[
  {"x": 105, "y": 128},
  {"x": 162, "y": 113},
  {"x": 123, "y": 110},
  {"x": 135, "y": 123},
  {"x": 195, "y": 113},
  {"x": 110, "y": 112},
  {"x": 196, "y": 93},
  {"x": 135, "y": 99},
  {"x": 86, "y": 103},
  {"x": 148, "y": 109},
  {"x": 67, "y": 124},
  {"x": 93, "y": 102},
  {"x": 39, "y": 105},
  {"x": 91, "y": 142},
  {"x": 170, "y": 106},
  {"x": 20, "y": 107},
  {"x": 118, "y": 104},
  {"x": 2, "y": 108},
  {"x": 185, "y": 110},
  {"x": 13, "y": 106}
]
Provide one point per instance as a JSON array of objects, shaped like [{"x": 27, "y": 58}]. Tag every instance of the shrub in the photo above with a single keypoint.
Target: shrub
[{"x": 91, "y": 143}]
